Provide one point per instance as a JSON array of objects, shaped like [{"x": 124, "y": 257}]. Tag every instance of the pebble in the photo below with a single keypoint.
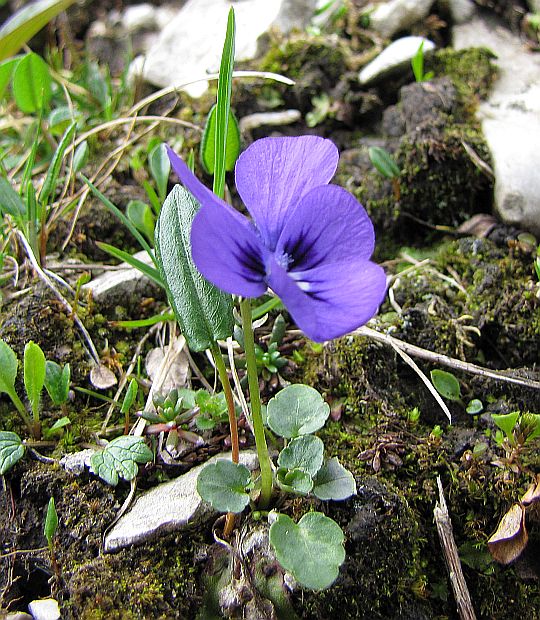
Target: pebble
[
  {"x": 510, "y": 120},
  {"x": 396, "y": 55},
  {"x": 190, "y": 45},
  {"x": 169, "y": 507},
  {"x": 388, "y": 18},
  {"x": 44, "y": 609}
]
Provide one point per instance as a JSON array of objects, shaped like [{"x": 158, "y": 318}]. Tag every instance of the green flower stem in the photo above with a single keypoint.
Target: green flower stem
[
  {"x": 224, "y": 378},
  {"x": 33, "y": 424},
  {"x": 255, "y": 397}
]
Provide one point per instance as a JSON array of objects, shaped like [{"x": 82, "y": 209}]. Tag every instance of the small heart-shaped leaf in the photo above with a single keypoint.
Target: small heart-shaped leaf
[
  {"x": 294, "y": 481},
  {"x": 297, "y": 410},
  {"x": 223, "y": 485},
  {"x": 333, "y": 481},
  {"x": 312, "y": 550},
  {"x": 120, "y": 458},
  {"x": 305, "y": 453}
]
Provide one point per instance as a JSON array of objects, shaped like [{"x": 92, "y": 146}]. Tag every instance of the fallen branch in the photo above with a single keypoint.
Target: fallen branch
[{"x": 451, "y": 556}]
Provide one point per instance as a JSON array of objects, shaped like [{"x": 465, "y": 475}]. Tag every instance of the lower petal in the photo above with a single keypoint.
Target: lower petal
[
  {"x": 332, "y": 300},
  {"x": 227, "y": 251}
]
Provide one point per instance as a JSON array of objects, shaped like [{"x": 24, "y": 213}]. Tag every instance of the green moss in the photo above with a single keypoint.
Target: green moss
[{"x": 471, "y": 70}]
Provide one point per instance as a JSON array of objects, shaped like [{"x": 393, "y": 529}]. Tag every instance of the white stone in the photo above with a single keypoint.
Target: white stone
[
  {"x": 45, "y": 609},
  {"x": 510, "y": 121},
  {"x": 461, "y": 10},
  {"x": 396, "y": 54},
  {"x": 167, "y": 508},
  {"x": 190, "y": 45},
  {"x": 139, "y": 16},
  {"x": 124, "y": 280},
  {"x": 390, "y": 17},
  {"x": 75, "y": 462}
]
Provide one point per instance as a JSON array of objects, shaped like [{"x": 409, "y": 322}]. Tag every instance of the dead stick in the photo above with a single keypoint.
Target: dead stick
[{"x": 451, "y": 556}]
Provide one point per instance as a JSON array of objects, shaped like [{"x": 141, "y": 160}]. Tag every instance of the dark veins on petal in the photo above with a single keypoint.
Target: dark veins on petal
[
  {"x": 303, "y": 252},
  {"x": 250, "y": 259}
]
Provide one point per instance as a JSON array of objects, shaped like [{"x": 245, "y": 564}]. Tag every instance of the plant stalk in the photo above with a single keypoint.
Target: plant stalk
[
  {"x": 255, "y": 397},
  {"x": 235, "y": 446}
]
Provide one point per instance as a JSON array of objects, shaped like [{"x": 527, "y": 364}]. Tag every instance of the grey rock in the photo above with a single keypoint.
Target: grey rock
[
  {"x": 390, "y": 17},
  {"x": 44, "y": 609},
  {"x": 461, "y": 10},
  {"x": 393, "y": 57},
  {"x": 510, "y": 121},
  {"x": 197, "y": 39},
  {"x": 167, "y": 508},
  {"x": 534, "y": 5},
  {"x": 76, "y": 462},
  {"x": 114, "y": 286},
  {"x": 17, "y": 615}
]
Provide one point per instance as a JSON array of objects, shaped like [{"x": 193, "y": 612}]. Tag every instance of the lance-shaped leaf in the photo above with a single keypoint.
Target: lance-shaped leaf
[{"x": 203, "y": 311}]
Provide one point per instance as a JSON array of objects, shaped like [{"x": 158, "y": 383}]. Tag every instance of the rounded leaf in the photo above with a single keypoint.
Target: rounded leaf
[
  {"x": 294, "y": 481},
  {"x": 312, "y": 550},
  {"x": 222, "y": 484},
  {"x": 11, "y": 450},
  {"x": 333, "y": 481},
  {"x": 305, "y": 453},
  {"x": 297, "y": 410},
  {"x": 446, "y": 384}
]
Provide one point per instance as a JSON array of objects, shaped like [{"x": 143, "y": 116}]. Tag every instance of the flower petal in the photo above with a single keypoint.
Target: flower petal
[
  {"x": 228, "y": 251},
  {"x": 331, "y": 300},
  {"x": 274, "y": 173},
  {"x": 327, "y": 225},
  {"x": 201, "y": 193}
]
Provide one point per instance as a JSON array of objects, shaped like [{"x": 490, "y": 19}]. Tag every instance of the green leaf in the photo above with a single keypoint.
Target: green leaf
[
  {"x": 80, "y": 156},
  {"x": 334, "y": 482},
  {"x": 11, "y": 450},
  {"x": 24, "y": 24},
  {"x": 305, "y": 453},
  {"x": 34, "y": 375},
  {"x": 446, "y": 384},
  {"x": 8, "y": 368},
  {"x": 223, "y": 106},
  {"x": 120, "y": 458},
  {"x": 56, "y": 427},
  {"x": 506, "y": 422},
  {"x": 53, "y": 171},
  {"x": 202, "y": 310},
  {"x": 417, "y": 63},
  {"x": 51, "y": 522},
  {"x": 32, "y": 83},
  {"x": 294, "y": 480},
  {"x": 160, "y": 168},
  {"x": 141, "y": 216},
  {"x": 7, "y": 67},
  {"x": 474, "y": 407},
  {"x": 10, "y": 201},
  {"x": 208, "y": 142},
  {"x": 223, "y": 484},
  {"x": 130, "y": 396},
  {"x": 297, "y": 410},
  {"x": 383, "y": 162},
  {"x": 312, "y": 550},
  {"x": 148, "y": 270},
  {"x": 57, "y": 381}
]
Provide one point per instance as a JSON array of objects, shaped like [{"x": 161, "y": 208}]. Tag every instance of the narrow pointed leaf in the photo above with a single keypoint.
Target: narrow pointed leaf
[
  {"x": 202, "y": 310},
  {"x": 51, "y": 522},
  {"x": 34, "y": 375},
  {"x": 208, "y": 142},
  {"x": 26, "y": 23}
]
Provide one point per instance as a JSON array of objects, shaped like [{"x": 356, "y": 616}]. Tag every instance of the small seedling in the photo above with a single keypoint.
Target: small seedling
[
  {"x": 417, "y": 63},
  {"x": 384, "y": 164}
]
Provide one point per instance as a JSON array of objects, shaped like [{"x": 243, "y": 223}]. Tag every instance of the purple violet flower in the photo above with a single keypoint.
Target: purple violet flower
[{"x": 309, "y": 241}]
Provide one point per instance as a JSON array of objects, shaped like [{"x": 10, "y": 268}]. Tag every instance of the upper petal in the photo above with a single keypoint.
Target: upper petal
[
  {"x": 327, "y": 225},
  {"x": 191, "y": 182},
  {"x": 228, "y": 251},
  {"x": 274, "y": 173},
  {"x": 332, "y": 300}
]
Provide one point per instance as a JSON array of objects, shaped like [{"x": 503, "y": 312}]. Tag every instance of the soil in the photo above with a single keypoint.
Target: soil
[{"x": 474, "y": 298}]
